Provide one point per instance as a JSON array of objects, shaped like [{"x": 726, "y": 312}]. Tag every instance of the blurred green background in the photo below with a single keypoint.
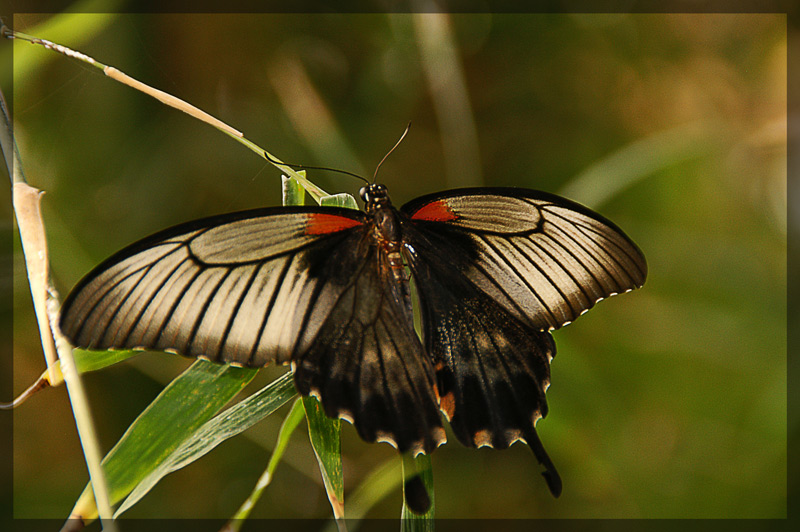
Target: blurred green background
[{"x": 669, "y": 402}]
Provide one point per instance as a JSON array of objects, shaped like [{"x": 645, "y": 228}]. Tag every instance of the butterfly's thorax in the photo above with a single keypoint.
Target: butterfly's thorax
[{"x": 386, "y": 227}]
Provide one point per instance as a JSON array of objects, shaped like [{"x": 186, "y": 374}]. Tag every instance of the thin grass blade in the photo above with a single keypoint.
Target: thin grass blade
[
  {"x": 339, "y": 200},
  {"x": 292, "y": 421},
  {"x": 378, "y": 484},
  {"x": 87, "y": 361}
]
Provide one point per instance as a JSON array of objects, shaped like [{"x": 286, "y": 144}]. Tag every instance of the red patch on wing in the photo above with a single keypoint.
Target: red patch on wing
[
  {"x": 323, "y": 224},
  {"x": 436, "y": 211}
]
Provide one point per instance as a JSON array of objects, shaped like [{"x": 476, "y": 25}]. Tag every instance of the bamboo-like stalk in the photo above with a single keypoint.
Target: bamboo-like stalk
[{"x": 25, "y": 199}]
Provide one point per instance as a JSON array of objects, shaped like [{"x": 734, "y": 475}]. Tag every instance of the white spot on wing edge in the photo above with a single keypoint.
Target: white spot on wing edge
[
  {"x": 513, "y": 435},
  {"x": 440, "y": 440},
  {"x": 383, "y": 437},
  {"x": 313, "y": 392}
]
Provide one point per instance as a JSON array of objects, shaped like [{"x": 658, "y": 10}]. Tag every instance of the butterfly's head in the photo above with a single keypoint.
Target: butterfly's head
[{"x": 374, "y": 195}]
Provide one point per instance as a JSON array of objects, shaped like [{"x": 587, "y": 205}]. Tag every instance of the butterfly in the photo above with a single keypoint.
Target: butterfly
[{"x": 328, "y": 291}]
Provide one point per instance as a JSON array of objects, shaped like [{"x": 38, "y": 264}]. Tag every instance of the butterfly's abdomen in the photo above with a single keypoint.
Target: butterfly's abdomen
[{"x": 388, "y": 234}]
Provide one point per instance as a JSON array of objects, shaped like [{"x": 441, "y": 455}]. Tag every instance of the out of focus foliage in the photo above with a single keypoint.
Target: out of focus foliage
[{"x": 666, "y": 402}]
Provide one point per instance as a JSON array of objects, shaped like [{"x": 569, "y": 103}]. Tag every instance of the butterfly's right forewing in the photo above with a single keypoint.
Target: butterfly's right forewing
[{"x": 310, "y": 286}]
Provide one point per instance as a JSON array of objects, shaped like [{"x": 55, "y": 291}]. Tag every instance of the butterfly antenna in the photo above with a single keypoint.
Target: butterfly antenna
[
  {"x": 304, "y": 167},
  {"x": 396, "y": 144}
]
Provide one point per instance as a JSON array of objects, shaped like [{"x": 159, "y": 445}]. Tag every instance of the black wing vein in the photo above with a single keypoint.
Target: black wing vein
[
  {"x": 154, "y": 293},
  {"x": 493, "y": 279},
  {"x": 547, "y": 275},
  {"x": 620, "y": 249},
  {"x": 570, "y": 273},
  {"x": 268, "y": 309},
  {"x": 133, "y": 294},
  {"x": 223, "y": 341},
  {"x": 180, "y": 294},
  {"x": 199, "y": 317},
  {"x": 589, "y": 230},
  {"x": 604, "y": 260}
]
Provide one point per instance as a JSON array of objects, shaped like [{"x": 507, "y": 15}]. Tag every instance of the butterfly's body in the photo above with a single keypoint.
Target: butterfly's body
[
  {"x": 327, "y": 290},
  {"x": 386, "y": 228}
]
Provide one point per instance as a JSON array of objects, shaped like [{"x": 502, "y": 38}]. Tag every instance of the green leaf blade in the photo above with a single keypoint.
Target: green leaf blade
[
  {"x": 324, "y": 434},
  {"x": 411, "y": 522},
  {"x": 87, "y": 361},
  {"x": 225, "y": 425},
  {"x": 181, "y": 408},
  {"x": 292, "y": 191}
]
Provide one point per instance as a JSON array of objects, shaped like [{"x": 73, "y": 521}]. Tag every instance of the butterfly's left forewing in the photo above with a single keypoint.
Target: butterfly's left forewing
[{"x": 546, "y": 259}]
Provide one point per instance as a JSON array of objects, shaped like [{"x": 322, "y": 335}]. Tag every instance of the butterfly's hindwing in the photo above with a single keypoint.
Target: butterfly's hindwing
[
  {"x": 492, "y": 369},
  {"x": 365, "y": 361}
]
